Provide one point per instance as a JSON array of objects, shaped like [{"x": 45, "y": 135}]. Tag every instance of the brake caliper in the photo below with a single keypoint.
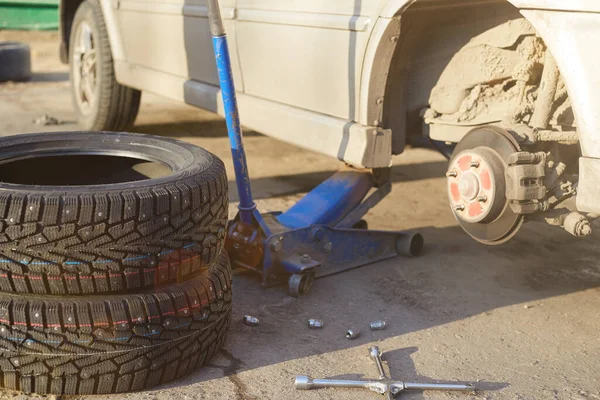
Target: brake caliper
[{"x": 525, "y": 188}]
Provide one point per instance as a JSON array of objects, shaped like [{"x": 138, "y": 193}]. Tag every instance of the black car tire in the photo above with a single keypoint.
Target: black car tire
[
  {"x": 15, "y": 61},
  {"x": 113, "y": 344},
  {"x": 79, "y": 215}
]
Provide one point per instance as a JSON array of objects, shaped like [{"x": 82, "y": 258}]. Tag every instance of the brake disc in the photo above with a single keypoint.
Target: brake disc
[{"x": 477, "y": 185}]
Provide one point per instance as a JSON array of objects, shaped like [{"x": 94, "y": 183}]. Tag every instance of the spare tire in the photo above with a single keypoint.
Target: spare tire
[
  {"x": 15, "y": 61},
  {"x": 113, "y": 344},
  {"x": 106, "y": 212}
]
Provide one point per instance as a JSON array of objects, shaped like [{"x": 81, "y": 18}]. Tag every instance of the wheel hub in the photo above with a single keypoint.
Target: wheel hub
[
  {"x": 468, "y": 185},
  {"x": 473, "y": 184},
  {"x": 477, "y": 185}
]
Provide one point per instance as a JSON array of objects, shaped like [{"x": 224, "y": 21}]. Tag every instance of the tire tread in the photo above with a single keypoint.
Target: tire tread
[
  {"x": 112, "y": 241},
  {"x": 57, "y": 345}
]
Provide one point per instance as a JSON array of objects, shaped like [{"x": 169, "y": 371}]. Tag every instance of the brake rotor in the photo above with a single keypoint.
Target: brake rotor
[{"x": 477, "y": 185}]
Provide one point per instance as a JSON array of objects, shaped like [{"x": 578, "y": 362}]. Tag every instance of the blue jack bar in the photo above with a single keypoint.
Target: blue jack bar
[{"x": 232, "y": 118}]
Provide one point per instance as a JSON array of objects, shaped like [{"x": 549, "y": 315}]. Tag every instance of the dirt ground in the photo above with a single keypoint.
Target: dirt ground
[{"x": 521, "y": 319}]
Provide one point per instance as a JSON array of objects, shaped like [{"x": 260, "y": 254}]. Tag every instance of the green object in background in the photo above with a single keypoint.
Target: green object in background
[{"x": 29, "y": 14}]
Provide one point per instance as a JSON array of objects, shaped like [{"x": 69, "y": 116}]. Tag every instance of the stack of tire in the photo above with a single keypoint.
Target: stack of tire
[{"x": 110, "y": 282}]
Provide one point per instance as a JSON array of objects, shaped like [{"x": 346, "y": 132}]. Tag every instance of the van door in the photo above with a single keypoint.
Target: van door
[
  {"x": 173, "y": 37},
  {"x": 305, "y": 53}
]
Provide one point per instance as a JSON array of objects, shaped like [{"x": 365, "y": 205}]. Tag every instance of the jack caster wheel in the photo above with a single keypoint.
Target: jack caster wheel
[{"x": 300, "y": 284}]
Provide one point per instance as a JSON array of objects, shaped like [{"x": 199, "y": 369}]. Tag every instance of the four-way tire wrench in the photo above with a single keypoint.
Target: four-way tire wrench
[{"x": 382, "y": 385}]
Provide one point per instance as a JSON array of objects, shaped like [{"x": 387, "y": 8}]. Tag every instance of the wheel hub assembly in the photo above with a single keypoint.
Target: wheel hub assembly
[{"x": 477, "y": 186}]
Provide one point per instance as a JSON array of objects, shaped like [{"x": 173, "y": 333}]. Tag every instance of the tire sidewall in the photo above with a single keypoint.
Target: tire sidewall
[{"x": 189, "y": 160}]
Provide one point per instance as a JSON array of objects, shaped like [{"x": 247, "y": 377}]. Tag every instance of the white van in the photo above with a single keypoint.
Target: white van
[{"x": 508, "y": 90}]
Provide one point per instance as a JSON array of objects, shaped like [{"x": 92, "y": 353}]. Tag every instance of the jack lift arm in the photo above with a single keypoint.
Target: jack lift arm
[{"x": 314, "y": 238}]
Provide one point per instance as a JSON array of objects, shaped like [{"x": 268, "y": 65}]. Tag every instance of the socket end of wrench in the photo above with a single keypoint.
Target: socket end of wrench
[
  {"x": 374, "y": 352},
  {"x": 303, "y": 382}
]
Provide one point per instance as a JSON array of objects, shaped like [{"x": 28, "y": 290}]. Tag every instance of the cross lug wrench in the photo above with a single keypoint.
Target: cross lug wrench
[{"x": 384, "y": 385}]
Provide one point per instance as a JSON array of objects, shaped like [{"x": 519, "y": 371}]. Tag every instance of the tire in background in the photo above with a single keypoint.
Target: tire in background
[
  {"x": 115, "y": 106},
  {"x": 113, "y": 344},
  {"x": 79, "y": 215},
  {"x": 15, "y": 61}
]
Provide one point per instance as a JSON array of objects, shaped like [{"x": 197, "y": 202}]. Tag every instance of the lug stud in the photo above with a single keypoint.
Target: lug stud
[
  {"x": 474, "y": 164},
  {"x": 459, "y": 207},
  {"x": 482, "y": 199},
  {"x": 451, "y": 174}
]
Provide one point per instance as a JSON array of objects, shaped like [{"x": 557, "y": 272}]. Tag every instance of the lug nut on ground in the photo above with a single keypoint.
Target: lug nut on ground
[
  {"x": 377, "y": 325},
  {"x": 352, "y": 334},
  {"x": 315, "y": 324},
  {"x": 250, "y": 320}
]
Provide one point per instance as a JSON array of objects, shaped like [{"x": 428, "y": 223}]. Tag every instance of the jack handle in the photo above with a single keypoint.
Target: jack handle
[{"x": 232, "y": 117}]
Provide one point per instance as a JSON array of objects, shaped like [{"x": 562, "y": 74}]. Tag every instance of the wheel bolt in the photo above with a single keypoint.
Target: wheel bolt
[
  {"x": 459, "y": 207},
  {"x": 451, "y": 174},
  {"x": 482, "y": 199},
  {"x": 474, "y": 164}
]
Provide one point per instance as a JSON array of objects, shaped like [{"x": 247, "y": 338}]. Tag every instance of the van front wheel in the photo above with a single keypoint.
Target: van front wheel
[{"x": 101, "y": 103}]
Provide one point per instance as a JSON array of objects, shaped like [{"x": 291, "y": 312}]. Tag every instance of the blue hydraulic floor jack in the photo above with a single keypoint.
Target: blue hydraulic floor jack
[{"x": 314, "y": 238}]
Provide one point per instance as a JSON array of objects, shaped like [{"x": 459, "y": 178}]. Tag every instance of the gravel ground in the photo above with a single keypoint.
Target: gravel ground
[{"x": 520, "y": 319}]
